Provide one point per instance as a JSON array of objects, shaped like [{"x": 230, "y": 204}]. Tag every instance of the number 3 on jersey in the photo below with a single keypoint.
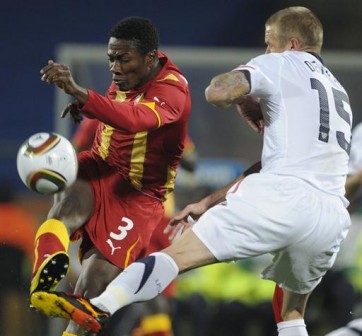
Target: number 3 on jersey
[
  {"x": 339, "y": 98},
  {"x": 122, "y": 229}
]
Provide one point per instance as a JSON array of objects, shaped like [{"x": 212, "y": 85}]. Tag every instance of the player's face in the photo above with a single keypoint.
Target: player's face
[
  {"x": 273, "y": 41},
  {"x": 129, "y": 68}
]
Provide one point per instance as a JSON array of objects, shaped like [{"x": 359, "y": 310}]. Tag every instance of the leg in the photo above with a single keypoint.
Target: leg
[
  {"x": 293, "y": 305},
  {"x": 143, "y": 280},
  {"x": 96, "y": 274},
  {"x": 189, "y": 252},
  {"x": 147, "y": 278},
  {"x": 292, "y": 313},
  {"x": 70, "y": 210},
  {"x": 151, "y": 318}
]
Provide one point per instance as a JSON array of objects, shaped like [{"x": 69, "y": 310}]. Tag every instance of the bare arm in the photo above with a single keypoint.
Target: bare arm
[
  {"x": 231, "y": 88},
  {"x": 227, "y": 89}
]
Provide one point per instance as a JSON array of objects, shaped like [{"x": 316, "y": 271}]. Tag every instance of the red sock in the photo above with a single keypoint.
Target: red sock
[
  {"x": 278, "y": 303},
  {"x": 52, "y": 237}
]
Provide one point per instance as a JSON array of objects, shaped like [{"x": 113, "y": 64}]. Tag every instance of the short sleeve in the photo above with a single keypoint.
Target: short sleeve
[{"x": 264, "y": 74}]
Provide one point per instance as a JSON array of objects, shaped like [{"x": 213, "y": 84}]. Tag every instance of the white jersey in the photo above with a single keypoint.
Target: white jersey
[
  {"x": 355, "y": 158},
  {"x": 307, "y": 121}
]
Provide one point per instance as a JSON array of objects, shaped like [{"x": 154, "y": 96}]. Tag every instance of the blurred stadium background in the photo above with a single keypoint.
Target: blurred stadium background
[
  {"x": 33, "y": 32},
  {"x": 203, "y": 37}
]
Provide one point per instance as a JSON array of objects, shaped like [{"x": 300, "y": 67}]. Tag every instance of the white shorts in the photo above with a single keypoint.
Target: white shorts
[{"x": 299, "y": 224}]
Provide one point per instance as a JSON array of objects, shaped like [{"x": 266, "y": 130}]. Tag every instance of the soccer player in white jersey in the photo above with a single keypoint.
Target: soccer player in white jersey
[{"x": 294, "y": 208}]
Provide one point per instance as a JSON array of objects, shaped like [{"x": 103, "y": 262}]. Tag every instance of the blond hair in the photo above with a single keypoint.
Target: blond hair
[{"x": 298, "y": 22}]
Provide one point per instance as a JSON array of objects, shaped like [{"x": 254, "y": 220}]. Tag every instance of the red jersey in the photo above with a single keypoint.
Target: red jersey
[
  {"x": 142, "y": 131},
  {"x": 84, "y": 135}
]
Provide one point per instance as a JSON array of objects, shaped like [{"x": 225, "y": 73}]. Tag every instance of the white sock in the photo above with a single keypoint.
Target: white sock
[
  {"x": 142, "y": 280},
  {"x": 292, "y": 328}
]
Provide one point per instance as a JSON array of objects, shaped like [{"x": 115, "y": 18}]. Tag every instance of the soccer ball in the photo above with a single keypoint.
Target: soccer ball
[{"x": 47, "y": 163}]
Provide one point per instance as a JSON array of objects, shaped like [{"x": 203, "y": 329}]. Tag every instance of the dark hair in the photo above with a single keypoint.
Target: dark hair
[{"x": 141, "y": 31}]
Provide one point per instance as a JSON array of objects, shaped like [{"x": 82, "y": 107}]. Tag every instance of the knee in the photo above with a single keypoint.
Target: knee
[
  {"x": 294, "y": 314},
  {"x": 74, "y": 206},
  {"x": 293, "y": 306}
]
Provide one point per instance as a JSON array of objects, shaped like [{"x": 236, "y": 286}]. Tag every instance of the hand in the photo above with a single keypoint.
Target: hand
[
  {"x": 249, "y": 109},
  {"x": 60, "y": 75},
  {"x": 75, "y": 114},
  {"x": 185, "y": 219}
]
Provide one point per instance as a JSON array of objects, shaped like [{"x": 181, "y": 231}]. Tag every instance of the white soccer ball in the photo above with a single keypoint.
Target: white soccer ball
[{"x": 47, "y": 163}]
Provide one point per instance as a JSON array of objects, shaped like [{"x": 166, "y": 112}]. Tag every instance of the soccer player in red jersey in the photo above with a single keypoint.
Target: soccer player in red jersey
[
  {"x": 148, "y": 318},
  {"x": 117, "y": 200}
]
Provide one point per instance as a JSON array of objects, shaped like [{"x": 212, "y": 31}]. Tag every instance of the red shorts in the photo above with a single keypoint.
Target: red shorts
[
  {"x": 123, "y": 219},
  {"x": 159, "y": 240}
]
